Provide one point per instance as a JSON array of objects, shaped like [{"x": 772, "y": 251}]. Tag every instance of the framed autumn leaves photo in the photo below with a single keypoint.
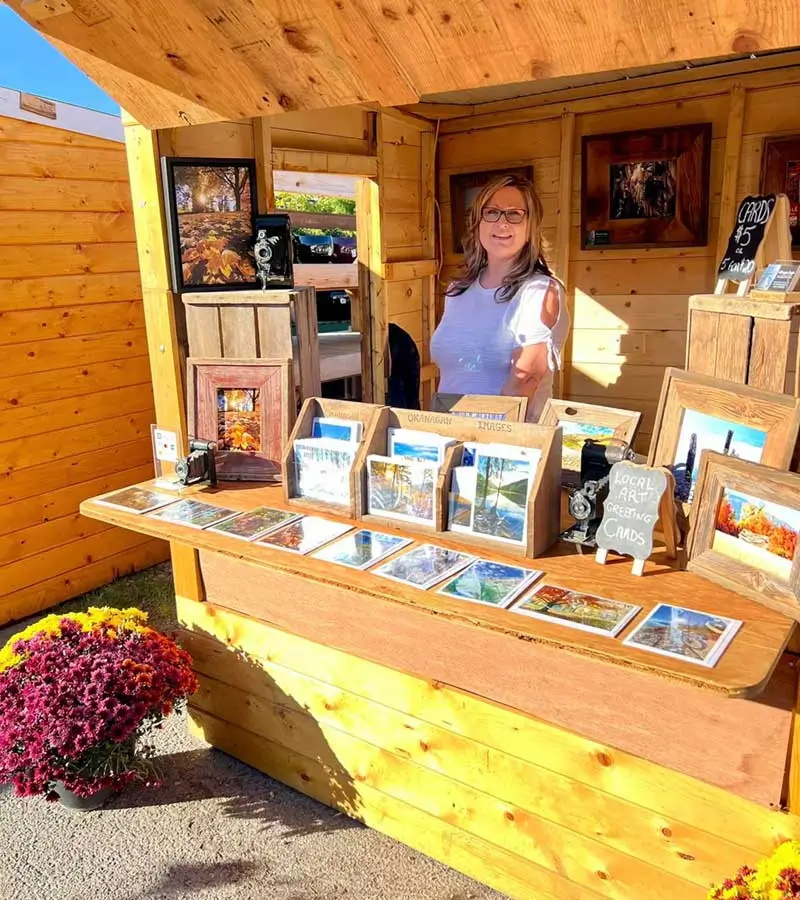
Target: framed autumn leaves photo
[{"x": 211, "y": 204}]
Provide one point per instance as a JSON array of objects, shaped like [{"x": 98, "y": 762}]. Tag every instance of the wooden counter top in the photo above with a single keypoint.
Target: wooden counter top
[{"x": 743, "y": 670}]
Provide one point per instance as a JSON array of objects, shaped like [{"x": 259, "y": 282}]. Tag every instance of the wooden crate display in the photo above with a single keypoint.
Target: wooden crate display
[
  {"x": 373, "y": 419},
  {"x": 258, "y": 325},
  {"x": 543, "y": 511}
]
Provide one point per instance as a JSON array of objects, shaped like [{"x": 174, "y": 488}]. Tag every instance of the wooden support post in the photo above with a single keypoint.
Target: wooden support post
[
  {"x": 262, "y": 139},
  {"x": 373, "y": 325},
  {"x": 792, "y": 775},
  {"x": 159, "y": 313},
  {"x": 428, "y": 227},
  {"x": 730, "y": 180},
  {"x": 562, "y": 385}
]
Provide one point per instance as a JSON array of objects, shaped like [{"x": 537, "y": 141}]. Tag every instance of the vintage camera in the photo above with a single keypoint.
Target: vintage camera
[
  {"x": 199, "y": 465},
  {"x": 272, "y": 250}
]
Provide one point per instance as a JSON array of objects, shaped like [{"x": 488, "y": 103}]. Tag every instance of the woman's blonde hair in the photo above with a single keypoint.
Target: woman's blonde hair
[{"x": 530, "y": 259}]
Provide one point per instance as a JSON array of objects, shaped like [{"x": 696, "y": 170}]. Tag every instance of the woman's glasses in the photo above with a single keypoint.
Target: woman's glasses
[{"x": 493, "y": 214}]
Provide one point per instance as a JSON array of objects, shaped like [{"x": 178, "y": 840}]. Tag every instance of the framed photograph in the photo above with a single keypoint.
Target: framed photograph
[
  {"x": 210, "y": 206},
  {"x": 747, "y": 519},
  {"x": 465, "y": 187},
  {"x": 697, "y": 413},
  {"x": 273, "y": 251},
  {"x": 246, "y": 407},
  {"x": 780, "y": 276},
  {"x": 686, "y": 634},
  {"x": 780, "y": 174},
  {"x": 480, "y": 406},
  {"x": 586, "y": 612},
  {"x": 646, "y": 188},
  {"x": 583, "y": 421}
]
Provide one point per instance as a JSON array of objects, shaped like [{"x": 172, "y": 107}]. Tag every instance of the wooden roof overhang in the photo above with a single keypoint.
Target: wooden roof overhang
[{"x": 178, "y": 62}]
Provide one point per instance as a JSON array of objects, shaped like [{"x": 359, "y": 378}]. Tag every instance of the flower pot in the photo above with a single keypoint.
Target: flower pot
[{"x": 84, "y": 804}]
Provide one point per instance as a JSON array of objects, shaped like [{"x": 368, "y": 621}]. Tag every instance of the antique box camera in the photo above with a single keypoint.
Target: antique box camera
[
  {"x": 199, "y": 465},
  {"x": 273, "y": 251}
]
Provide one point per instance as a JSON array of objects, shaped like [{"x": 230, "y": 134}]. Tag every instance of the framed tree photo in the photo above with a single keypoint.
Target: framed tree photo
[
  {"x": 465, "y": 187},
  {"x": 697, "y": 413},
  {"x": 780, "y": 174},
  {"x": 646, "y": 188},
  {"x": 745, "y": 531},
  {"x": 246, "y": 407},
  {"x": 210, "y": 208}
]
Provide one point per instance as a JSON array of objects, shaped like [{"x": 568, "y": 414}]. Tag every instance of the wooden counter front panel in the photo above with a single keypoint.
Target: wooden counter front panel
[{"x": 532, "y": 809}]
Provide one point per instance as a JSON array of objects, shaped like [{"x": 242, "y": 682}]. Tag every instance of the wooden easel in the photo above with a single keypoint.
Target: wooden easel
[{"x": 775, "y": 244}]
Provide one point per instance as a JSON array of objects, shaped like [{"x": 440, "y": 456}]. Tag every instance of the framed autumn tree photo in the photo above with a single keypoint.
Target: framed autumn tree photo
[{"x": 211, "y": 204}]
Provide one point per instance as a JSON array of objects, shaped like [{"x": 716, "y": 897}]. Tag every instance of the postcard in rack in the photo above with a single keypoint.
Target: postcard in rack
[
  {"x": 322, "y": 469},
  {"x": 424, "y": 566},
  {"x": 193, "y": 513},
  {"x": 424, "y": 446},
  {"x": 504, "y": 478},
  {"x": 362, "y": 549},
  {"x": 337, "y": 429},
  {"x": 135, "y": 500},
  {"x": 492, "y": 583},
  {"x": 304, "y": 535},
  {"x": 462, "y": 496},
  {"x": 255, "y": 523},
  {"x": 402, "y": 489},
  {"x": 586, "y": 612},
  {"x": 686, "y": 634}
]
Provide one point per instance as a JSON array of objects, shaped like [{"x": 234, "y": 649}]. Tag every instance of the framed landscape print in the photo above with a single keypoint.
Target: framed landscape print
[
  {"x": 210, "y": 208},
  {"x": 583, "y": 421},
  {"x": 697, "y": 413},
  {"x": 646, "y": 188},
  {"x": 245, "y": 406},
  {"x": 780, "y": 174},
  {"x": 746, "y": 524},
  {"x": 465, "y": 187}
]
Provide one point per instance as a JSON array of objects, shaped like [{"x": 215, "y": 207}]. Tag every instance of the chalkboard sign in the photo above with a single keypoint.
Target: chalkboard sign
[
  {"x": 630, "y": 511},
  {"x": 752, "y": 217}
]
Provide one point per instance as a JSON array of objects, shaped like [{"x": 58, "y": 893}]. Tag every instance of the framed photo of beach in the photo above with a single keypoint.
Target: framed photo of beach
[
  {"x": 697, "y": 413},
  {"x": 746, "y": 525},
  {"x": 583, "y": 421}
]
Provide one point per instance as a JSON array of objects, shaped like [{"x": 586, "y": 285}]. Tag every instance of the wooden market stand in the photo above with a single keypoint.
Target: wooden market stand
[{"x": 542, "y": 764}]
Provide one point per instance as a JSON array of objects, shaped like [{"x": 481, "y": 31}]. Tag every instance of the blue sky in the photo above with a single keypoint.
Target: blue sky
[{"x": 29, "y": 63}]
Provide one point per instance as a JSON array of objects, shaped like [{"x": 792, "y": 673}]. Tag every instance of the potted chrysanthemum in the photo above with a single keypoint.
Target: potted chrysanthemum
[
  {"x": 80, "y": 697},
  {"x": 777, "y": 877}
]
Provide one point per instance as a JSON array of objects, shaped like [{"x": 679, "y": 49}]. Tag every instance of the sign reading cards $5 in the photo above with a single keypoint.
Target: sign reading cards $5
[{"x": 635, "y": 502}]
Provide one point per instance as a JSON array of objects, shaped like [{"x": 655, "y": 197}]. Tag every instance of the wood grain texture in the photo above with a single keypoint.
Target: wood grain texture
[{"x": 743, "y": 670}]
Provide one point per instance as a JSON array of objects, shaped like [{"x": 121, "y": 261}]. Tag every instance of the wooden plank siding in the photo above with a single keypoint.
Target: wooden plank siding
[
  {"x": 76, "y": 401},
  {"x": 629, "y": 306}
]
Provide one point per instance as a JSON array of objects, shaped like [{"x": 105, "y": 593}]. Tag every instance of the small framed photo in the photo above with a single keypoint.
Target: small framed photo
[
  {"x": 465, "y": 187},
  {"x": 135, "y": 500},
  {"x": 746, "y": 526},
  {"x": 246, "y": 407},
  {"x": 697, "y": 413},
  {"x": 687, "y": 634},
  {"x": 576, "y": 609},
  {"x": 491, "y": 583},
  {"x": 583, "y": 421},
  {"x": 210, "y": 205},
  {"x": 779, "y": 277},
  {"x": 272, "y": 250}
]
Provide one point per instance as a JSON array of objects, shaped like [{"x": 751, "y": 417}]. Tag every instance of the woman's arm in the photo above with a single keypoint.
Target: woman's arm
[{"x": 529, "y": 364}]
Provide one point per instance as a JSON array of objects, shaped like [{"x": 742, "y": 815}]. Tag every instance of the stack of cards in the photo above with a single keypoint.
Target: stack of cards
[{"x": 322, "y": 462}]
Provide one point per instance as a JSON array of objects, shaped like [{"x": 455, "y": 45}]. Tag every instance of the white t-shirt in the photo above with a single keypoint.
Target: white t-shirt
[{"x": 473, "y": 343}]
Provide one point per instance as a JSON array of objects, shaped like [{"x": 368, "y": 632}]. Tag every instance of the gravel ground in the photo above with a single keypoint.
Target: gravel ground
[{"x": 217, "y": 830}]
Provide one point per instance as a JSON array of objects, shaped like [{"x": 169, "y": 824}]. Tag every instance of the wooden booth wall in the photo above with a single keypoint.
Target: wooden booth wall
[
  {"x": 629, "y": 306},
  {"x": 76, "y": 401},
  {"x": 395, "y": 209}
]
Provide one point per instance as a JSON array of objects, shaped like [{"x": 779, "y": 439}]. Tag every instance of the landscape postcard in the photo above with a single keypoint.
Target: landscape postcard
[
  {"x": 418, "y": 445},
  {"x": 402, "y": 489},
  {"x": 362, "y": 549},
  {"x": 304, "y": 535},
  {"x": 136, "y": 500},
  {"x": 587, "y": 612},
  {"x": 462, "y": 496},
  {"x": 322, "y": 469},
  {"x": 192, "y": 513},
  {"x": 336, "y": 429},
  {"x": 424, "y": 566},
  {"x": 699, "y": 432},
  {"x": 757, "y": 533},
  {"x": 493, "y": 583},
  {"x": 251, "y": 525},
  {"x": 573, "y": 436},
  {"x": 502, "y": 487},
  {"x": 686, "y": 634}
]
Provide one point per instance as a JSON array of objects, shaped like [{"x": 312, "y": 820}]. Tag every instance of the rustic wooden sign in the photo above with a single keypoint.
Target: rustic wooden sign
[{"x": 631, "y": 511}]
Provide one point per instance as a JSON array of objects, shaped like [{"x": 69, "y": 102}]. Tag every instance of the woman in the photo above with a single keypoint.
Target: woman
[{"x": 505, "y": 320}]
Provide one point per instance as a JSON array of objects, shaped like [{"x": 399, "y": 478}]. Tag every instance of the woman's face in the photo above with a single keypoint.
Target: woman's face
[{"x": 502, "y": 239}]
